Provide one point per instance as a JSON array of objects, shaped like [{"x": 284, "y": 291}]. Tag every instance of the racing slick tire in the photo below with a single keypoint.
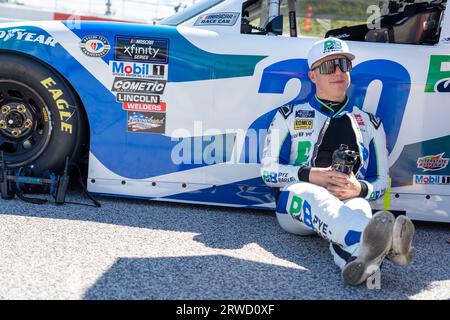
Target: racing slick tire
[{"x": 41, "y": 119}]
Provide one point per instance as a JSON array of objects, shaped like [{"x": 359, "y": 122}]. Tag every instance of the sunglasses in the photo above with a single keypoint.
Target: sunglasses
[{"x": 329, "y": 66}]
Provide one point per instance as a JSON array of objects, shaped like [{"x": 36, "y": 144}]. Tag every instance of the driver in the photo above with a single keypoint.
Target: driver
[{"x": 314, "y": 198}]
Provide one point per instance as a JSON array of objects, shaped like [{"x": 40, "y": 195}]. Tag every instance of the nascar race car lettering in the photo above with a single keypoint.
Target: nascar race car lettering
[{"x": 438, "y": 74}]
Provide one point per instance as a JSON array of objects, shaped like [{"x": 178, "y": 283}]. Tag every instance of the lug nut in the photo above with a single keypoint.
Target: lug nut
[
  {"x": 6, "y": 109},
  {"x": 16, "y": 132},
  {"x": 28, "y": 123},
  {"x": 21, "y": 108},
  {"x": 2, "y": 124}
]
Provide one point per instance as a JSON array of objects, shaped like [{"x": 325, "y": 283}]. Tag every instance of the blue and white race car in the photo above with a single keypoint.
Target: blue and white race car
[{"x": 179, "y": 111}]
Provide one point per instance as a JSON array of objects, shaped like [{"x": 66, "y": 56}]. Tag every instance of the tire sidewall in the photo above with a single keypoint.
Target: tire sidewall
[{"x": 62, "y": 105}]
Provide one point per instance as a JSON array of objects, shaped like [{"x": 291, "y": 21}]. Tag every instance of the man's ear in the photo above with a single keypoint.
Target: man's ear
[{"x": 312, "y": 76}]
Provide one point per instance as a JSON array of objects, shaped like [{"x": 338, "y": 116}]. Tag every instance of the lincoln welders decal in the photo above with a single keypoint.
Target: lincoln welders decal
[
  {"x": 138, "y": 86},
  {"x": 147, "y": 122},
  {"x": 142, "y": 49},
  {"x": 220, "y": 19}
]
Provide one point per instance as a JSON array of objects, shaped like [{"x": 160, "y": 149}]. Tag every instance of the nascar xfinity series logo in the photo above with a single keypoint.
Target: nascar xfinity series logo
[
  {"x": 142, "y": 49},
  {"x": 432, "y": 163},
  {"x": 439, "y": 74},
  {"x": 95, "y": 46},
  {"x": 24, "y": 35}
]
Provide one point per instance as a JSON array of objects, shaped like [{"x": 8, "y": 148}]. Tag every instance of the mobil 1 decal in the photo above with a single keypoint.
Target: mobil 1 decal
[
  {"x": 139, "y": 70},
  {"x": 154, "y": 50},
  {"x": 146, "y": 122}
]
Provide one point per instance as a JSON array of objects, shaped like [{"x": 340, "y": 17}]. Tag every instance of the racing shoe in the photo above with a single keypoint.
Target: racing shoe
[
  {"x": 402, "y": 252},
  {"x": 376, "y": 241}
]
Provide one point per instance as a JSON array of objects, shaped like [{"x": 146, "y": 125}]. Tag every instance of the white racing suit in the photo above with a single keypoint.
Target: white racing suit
[{"x": 293, "y": 141}]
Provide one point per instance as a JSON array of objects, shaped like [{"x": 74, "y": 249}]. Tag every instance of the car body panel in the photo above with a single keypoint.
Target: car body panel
[{"x": 219, "y": 91}]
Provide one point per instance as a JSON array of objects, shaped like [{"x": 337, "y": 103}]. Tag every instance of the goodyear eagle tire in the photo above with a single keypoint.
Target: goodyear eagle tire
[{"x": 41, "y": 119}]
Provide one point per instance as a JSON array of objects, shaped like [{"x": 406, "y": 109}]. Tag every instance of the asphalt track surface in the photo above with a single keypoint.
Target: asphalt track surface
[{"x": 136, "y": 249}]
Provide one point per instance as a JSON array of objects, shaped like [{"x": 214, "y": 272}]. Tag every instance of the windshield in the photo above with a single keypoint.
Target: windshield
[{"x": 189, "y": 12}]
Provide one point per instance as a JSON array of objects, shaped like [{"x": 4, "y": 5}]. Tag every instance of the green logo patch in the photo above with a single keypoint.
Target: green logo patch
[{"x": 439, "y": 74}]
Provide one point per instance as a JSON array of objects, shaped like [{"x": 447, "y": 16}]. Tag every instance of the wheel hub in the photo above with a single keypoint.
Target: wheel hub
[{"x": 16, "y": 120}]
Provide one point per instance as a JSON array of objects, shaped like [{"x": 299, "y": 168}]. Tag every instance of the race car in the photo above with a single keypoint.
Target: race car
[{"x": 179, "y": 111}]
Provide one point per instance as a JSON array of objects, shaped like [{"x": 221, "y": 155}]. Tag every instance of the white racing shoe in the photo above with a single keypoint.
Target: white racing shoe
[
  {"x": 402, "y": 252},
  {"x": 376, "y": 241}
]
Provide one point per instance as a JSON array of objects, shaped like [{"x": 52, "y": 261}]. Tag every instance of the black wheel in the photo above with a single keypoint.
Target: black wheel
[{"x": 41, "y": 119}]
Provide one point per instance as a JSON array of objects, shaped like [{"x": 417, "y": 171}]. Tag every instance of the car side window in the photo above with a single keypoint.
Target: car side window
[{"x": 386, "y": 21}]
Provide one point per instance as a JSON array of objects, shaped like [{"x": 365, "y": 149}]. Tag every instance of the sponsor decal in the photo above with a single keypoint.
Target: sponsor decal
[
  {"x": 377, "y": 194},
  {"x": 141, "y": 49},
  {"x": 138, "y": 86},
  {"x": 302, "y": 134},
  {"x": 432, "y": 163},
  {"x": 218, "y": 19},
  {"x": 359, "y": 120},
  {"x": 24, "y": 35},
  {"x": 148, "y": 107},
  {"x": 303, "y": 124},
  {"x": 439, "y": 74},
  {"x": 146, "y": 122},
  {"x": 138, "y": 70},
  {"x": 95, "y": 46},
  {"x": 131, "y": 97},
  {"x": 305, "y": 114},
  {"x": 274, "y": 177},
  {"x": 65, "y": 111},
  {"x": 331, "y": 46},
  {"x": 301, "y": 210},
  {"x": 427, "y": 179}
]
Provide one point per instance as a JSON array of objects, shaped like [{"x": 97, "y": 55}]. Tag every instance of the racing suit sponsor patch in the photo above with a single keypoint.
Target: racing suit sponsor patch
[
  {"x": 303, "y": 124},
  {"x": 305, "y": 114}
]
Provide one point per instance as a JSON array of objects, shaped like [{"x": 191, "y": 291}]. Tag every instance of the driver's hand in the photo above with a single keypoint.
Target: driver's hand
[
  {"x": 326, "y": 177},
  {"x": 344, "y": 187}
]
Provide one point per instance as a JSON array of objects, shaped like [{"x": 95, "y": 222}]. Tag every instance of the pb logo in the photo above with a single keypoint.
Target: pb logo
[{"x": 438, "y": 74}]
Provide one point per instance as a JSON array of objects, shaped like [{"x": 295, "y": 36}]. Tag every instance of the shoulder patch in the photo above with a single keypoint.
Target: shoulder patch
[
  {"x": 286, "y": 110},
  {"x": 375, "y": 120}
]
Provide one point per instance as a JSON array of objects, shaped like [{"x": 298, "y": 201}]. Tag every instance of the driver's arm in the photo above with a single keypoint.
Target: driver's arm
[{"x": 275, "y": 168}]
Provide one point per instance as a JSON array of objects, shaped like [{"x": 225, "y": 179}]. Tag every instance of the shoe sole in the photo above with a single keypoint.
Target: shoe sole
[
  {"x": 376, "y": 243},
  {"x": 402, "y": 241}
]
